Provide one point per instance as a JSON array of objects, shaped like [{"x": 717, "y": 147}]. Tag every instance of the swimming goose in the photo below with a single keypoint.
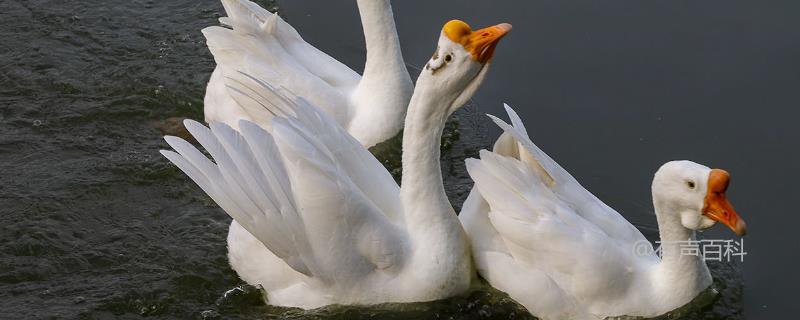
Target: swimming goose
[
  {"x": 538, "y": 235},
  {"x": 370, "y": 107},
  {"x": 318, "y": 220}
]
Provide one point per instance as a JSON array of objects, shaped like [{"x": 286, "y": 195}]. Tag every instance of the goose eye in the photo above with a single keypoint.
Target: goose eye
[
  {"x": 690, "y": 184},
  {"x": 448, "y": 58}
]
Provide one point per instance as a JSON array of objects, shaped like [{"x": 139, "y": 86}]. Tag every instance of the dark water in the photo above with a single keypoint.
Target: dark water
[{"x": 94, "y": 223}]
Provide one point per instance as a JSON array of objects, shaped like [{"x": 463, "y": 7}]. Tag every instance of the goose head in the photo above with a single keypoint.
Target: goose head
[
  {"x": 461, "y": 60},
  {"x": 696, "y": 194}
]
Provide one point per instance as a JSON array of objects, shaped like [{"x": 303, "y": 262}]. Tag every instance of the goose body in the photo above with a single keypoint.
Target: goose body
[
  {"x": 538, "y": 235},
  {"x": 318, "y": 220},
  {"x": 370, "y": 107}
]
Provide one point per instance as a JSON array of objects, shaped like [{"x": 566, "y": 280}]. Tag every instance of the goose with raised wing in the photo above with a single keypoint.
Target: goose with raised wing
[
  {"x": 317, "y": 219},
  {"x": 538, "y": 235},
  {"x": 370, "y": 107}
]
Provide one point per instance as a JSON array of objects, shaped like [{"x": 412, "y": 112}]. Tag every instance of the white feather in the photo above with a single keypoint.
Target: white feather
[
  {"x": 540, "y": 236},
  {"x": 304, "y": 192},
  {"x": 261, "y": 44}
]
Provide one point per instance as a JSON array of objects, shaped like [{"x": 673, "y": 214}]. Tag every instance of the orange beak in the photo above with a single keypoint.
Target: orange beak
[
  {"x": 716, "y": 205},
  {"x": 479, "y": 43}
]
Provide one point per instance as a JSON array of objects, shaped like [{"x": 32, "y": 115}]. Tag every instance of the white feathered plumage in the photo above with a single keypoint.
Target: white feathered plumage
[
  {"x": 318, "y": 220},
  {"x": 540, "y": 236},
  {"x": 260, "y": 43}
]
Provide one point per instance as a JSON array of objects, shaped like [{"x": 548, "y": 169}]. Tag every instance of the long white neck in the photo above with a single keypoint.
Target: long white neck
[
  {"x": 385, "y": 88},
  {"x": 422, "y": 188},
  {"x": 384, "y": 57},
  {"x": 438, "y": 240},
  {"x": 680, "y": 276}
]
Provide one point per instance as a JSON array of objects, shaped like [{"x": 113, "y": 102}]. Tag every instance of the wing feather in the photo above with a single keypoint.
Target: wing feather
[
  {"x": 567, "y": 188},
  {"x": 294, "y": 191},
  {"x": 540, "y": 230},
  {"x": 262, "y": 43},
  {"x": 355, "y": 161},
  {"x": 225, "y": 182},
  {"x": 550, "y": 223}
]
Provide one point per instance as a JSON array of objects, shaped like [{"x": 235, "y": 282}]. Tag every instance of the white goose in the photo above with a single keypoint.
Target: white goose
[
  {"x": 371, "y": 108},
  {"x": 538, "y": 235},
  {"x": 318, "y": 220}
]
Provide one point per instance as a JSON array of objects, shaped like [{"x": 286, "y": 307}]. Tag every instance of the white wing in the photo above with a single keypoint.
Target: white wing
[
  {"x": 567, "y": 188},
  {"x": 550, "y": 223},
  {"x": 358, "y": 162},
  {"x": 309, "y": 191},
  {"x": 261, "y": 43}
]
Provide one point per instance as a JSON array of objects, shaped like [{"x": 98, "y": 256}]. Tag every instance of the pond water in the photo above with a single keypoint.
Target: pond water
[{"x": 94, "y": 223}]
